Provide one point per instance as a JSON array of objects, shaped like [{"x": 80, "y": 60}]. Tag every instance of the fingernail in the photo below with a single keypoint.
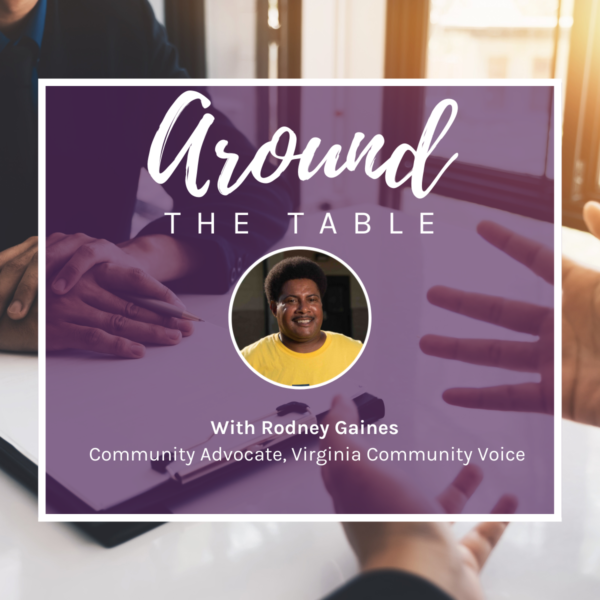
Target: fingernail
[
  {"x": 16, "y": 307},
  {"x": 174, "y": 334},
  {"x": 138, "y": 350},
  {"x": 59, "y": 286}
]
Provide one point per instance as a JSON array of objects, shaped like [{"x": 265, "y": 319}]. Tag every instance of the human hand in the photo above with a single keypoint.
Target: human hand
[
  {"x": 93, "y": 316},
  {"x": 163, "y": 257},
  {"x": 581, "y": 334},
  {"x": 19, "y": 279},
  {"x": 20, "y": 335},
  {"x": 535, "y": 357},
  {"x": 429, "y": 550},
  {"x": 70, "y": 257},
  {"x": 362, "y": 487}
]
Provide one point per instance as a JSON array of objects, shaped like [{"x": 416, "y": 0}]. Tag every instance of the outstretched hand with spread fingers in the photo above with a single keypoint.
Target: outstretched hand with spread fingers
[
  {"x": 581, "y": 334},
  {"x": 429, "y": 550},
  {"x": 534, "y": 357}
]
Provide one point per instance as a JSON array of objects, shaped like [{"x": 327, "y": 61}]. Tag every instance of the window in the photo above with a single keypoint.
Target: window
[
  {"x": 497, "y": 67},
  {"x": 481, "y": 38},
  {"x": 402, "y": 38},
  {"x": 498, "y": 38},
  {"x": 230, "y": 38},
  {"x": 343, "y": 38},
  {"x": 581, "y": 129}
]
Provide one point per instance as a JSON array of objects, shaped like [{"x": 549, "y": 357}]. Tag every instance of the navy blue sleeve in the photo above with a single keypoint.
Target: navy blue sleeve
[
  {"x": 389, "y": 585},
  {"x": 224, "y": 255},
  {"x": 162, "y": 54}
]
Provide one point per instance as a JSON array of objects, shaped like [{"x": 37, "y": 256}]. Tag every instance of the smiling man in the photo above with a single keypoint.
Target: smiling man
[{"x": 300, "y": 354}]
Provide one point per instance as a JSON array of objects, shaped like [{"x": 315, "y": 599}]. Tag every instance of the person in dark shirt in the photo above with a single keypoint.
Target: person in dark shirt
[
  {"x": 21, "y": 31},
  {"x": 89, "y": 215}
]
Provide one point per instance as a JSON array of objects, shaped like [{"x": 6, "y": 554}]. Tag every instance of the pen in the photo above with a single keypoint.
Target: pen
[{"x": 163, "y": 308}]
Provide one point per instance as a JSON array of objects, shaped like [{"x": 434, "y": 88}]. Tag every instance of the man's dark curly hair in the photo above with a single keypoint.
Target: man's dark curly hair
[{"x": 296, "y": 267}]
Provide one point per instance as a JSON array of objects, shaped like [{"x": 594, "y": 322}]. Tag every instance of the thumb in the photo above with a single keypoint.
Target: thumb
[
  {"x": 342, "y": 409},
  {"x": 591, "y": 216},
  {"x": 338, "y": 477}
]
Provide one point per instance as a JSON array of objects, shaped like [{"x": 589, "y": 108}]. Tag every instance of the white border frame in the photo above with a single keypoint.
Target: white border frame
[{"x": 333, "y": 517}]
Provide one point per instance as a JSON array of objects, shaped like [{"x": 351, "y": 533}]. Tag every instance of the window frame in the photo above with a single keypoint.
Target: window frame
[
  {"x": 406, "y": 57},
  {"x": 581, "y": 127}
]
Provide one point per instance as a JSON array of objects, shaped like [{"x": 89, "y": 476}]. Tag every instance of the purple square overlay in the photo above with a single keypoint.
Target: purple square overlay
[{"x": 105, "y": 414}]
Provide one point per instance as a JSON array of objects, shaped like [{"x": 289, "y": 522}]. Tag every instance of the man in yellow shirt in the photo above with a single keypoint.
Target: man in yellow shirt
[{"x": 300, "y": 354}]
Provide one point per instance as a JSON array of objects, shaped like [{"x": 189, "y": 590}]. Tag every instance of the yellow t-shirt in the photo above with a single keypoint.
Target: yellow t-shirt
[{"x": 278, "y": 363}]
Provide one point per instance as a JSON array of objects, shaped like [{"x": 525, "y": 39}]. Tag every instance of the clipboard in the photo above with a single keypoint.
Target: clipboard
[
  {"x": 110, "y": 404},
  {"x": 184, "y": 482},
  {"x": 108, "y": 535},
  {"x": 18, "y": 443}
]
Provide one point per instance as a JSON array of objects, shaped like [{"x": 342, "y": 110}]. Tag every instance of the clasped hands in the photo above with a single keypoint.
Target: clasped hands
[{"x": 87, "y": 283}]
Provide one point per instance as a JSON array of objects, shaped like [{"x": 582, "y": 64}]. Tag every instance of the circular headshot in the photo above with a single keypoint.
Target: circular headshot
[{"x": 300, "y": 317}]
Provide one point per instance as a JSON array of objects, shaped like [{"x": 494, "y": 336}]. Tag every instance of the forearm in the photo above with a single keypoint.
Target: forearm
[
  {"x": 163, "y": 257},
  {"x": 389, "y": 585},
  {"x": 430, "y": 558}
]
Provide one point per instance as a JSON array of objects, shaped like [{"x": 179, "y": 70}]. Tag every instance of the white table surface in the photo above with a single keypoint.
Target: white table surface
[
  {"x": 277, "y": 560},
  {"x": 287, "y": 560}
]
